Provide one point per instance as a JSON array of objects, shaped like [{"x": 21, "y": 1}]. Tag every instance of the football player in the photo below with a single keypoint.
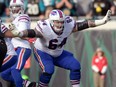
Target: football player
[
  {"x": 49, "y": 50},
  {"x": 22, "y": 22}
]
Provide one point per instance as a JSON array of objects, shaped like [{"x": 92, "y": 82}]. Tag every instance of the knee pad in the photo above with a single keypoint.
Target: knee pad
[{"x": 75, "y": 66}]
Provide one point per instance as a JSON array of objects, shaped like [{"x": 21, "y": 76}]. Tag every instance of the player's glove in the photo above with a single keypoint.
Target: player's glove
[
  {"x": 12, "y": 27},
  {"x": 104, "y": 20},
  {"x": 15, "y": 31},
  {"x": 108, "y": 15}
]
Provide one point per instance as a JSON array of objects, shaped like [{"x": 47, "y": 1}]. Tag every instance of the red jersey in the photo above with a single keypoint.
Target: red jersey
[{"x": 99, "y": 62}]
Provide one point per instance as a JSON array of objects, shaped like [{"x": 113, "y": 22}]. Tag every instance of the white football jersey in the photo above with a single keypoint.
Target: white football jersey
[
  {"x": 22, "y": 22},
  {"x": 10, "y": 47},
  {"x": 52, "y": 43}
]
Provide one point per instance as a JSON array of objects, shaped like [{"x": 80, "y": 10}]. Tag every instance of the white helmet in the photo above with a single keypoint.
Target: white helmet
[
  {"x": 59, "y": 17},
  {"x": 16, "y": 7}
]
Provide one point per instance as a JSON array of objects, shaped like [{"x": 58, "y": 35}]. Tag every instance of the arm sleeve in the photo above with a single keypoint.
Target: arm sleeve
[
  {"x": 82, "y": 25},
  {"x": 94, "y": 66},
  {"x": 3, "y": 28},
  {"x": 24, "y": 26},
  {"x": 104, "y": 69},
  {"x": 31, "y": 33},
  {"x": 24, "y": 22},
  {"x": 105, "y": 65}
]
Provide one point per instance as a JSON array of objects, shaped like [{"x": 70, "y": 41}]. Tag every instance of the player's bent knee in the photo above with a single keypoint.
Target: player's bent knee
[
  {"x": 3, "y": 76},
  {"x": 75, "y": 66},
  {"x": 6, "y": 76},
  {"x": 50, "y": 71}
]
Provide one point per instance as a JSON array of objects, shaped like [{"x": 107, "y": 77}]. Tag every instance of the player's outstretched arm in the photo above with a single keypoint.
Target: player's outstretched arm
[
  {"x": 92, "y": 23},
  {"x": 99, "y": 22},
  {"x": 10, "y": 34},
  {"x": 22, "y": 34},
  {"x": 31, "y": 33}
]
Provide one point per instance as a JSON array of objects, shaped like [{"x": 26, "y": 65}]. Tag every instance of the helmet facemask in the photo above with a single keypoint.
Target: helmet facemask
[{"x": 56, "y": 18}]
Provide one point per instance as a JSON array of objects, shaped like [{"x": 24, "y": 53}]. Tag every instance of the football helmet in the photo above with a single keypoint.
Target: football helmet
[
  {"x": 16, "y": 7},
  {"x": 56, "y": 18}
]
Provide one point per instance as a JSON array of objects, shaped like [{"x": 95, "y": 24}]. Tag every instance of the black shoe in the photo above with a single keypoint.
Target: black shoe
[{"x": 12, "y": 85}]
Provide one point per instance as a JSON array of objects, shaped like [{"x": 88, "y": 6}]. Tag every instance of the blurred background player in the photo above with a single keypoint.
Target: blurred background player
[
  {"x": 22, "y": 22},
  {"x": 11, "y": 55},
  {"x": 100, "y": 7},
  {"x": 3, "y": 47},
  {"x": 6, "y": 49},
  {"x": 10, "y": 59},
  {"x": 49, "y": 50},
  {"x": 5, "y": 34}
]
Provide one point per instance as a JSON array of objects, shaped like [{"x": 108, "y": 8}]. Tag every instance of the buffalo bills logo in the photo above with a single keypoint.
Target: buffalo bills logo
[
  {"x": 59, "y": 12},
  {"x": 14, "y": 1},
  {"x": 53, "y": 13}
]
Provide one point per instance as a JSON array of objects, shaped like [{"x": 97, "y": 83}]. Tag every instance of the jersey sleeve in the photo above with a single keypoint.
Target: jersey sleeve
[
  {"x": 23, "y": 22},
  {"x": 70, "y": 22},
  {"x": 23, "y": 26},
  {"x": 3, "y": 28},
  {"x": 24, "y": 18}
]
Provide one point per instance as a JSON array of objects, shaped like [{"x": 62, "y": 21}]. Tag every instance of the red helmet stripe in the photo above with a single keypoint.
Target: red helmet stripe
[
  {"x": 14, "y": 1},
  {"x": 60, "y": 13}
]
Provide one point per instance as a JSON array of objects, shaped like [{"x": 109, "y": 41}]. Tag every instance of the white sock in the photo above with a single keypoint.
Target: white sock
[{"x": 76, "y": 85}]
